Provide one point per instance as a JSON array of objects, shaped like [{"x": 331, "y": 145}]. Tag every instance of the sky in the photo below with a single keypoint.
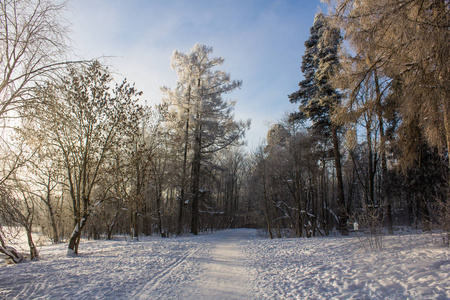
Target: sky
[{"x": 262, "y": 42}]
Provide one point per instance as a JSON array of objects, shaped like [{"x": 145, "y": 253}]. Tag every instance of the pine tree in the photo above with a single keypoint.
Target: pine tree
[
  {"x": 317, "y": 96},
  {"x": 207, "y": 119}
]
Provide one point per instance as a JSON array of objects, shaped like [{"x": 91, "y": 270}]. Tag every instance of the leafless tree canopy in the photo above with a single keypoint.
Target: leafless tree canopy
[{"x": 33, "y": 43}]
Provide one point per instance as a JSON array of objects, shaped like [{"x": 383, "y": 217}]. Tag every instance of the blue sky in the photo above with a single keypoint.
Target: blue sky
[{"x": 261, "y": 41}]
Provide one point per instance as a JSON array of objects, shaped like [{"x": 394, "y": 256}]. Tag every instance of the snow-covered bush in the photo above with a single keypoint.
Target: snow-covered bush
[{"x": 369, "y": 220}]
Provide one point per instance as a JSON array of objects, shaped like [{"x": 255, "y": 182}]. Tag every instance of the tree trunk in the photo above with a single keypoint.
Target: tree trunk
[
  {"x": 183, "y": 179},
  {"x": 299, "y": 223},
  {"x": 34, "y": 255},
  {"x": 277, "y": 222},
  {"x": 298, "y": 199},
  {"x": 372, "y": 168},
  {"x": 10, "y": 252},
  {"x": 110, "y": 230},
  {"x": 158, "y": 211},
  {"x": 53, "y": 224},
  {"x": 195, "y": 196},
  {"x": 74, "y": 241},
  {"x": 113, "y": 223},
  {"x": 136, "y": 224},
  {"x": 196, "y": 182},
  {"x": 446, "y": 108},
  {"x": 384, "y": 199},
  {"x": 426, "y": 222},
  {"x": 180, "y": 212},
  {"x": 342, "y": 212},
  {"x": 137, "y": 201},
  {"x": 51, "y": 215},
  {"x": 266, "y": 199},
  {"x": 146, "y": 221}
]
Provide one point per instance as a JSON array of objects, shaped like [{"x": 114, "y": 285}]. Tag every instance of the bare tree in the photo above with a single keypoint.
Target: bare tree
[
  {"x": 368, "y": 96},
  {"x": 46, "y": 183},
  {"x": 16, "y": 203},
  {"x": 18, "y": 207},
  {"x": 32, "y": 47},
  {"x": 33, "y": 44},
  {"x": 85, "y": 122},
  {"x": 261, "y": 172},
  {"x": 148, "y": 168}
]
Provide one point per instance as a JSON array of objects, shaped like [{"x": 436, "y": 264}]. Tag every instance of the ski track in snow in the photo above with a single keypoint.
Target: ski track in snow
[
  {"x": 155, "y": 285},
  {"x": 235, "y": 264}
]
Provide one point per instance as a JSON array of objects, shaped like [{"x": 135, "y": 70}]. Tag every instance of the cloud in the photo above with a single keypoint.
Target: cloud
[{"x": 261, "y": 41}]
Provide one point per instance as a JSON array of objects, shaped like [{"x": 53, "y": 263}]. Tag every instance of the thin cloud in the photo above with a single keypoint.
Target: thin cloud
[{"x": 261, "y": 41}]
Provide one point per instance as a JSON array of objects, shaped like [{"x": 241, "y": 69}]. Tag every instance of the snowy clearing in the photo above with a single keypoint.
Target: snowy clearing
[{"x": 235, "y": 264}]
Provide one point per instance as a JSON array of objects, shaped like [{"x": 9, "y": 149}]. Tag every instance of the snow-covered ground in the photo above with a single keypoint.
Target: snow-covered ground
[{"x": 235, "y": 264}]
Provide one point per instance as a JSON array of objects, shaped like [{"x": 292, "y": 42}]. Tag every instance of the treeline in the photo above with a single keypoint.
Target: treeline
[
  {"x": 81, "y": 156},
  {"x": 369, "y": 144}
]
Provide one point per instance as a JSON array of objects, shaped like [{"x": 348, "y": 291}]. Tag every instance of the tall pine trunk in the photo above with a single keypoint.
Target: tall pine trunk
[
  {"x": 196, "y": 181},
  {"x": 340, "y": 201},
  {"x": 138, "y": 198},
  {"x": 183, "y": 179},
  {"x": 158, "y": 210},
  {"x": 266, "y": 201},
  {"x": 384, "y": 200}
]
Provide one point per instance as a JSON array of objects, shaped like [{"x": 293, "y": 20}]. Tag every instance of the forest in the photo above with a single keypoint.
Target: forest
[{"x": 83, "y": 157}]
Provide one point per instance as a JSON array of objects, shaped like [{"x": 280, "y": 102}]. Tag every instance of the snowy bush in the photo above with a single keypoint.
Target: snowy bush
[{"x": 369, "y": 220}]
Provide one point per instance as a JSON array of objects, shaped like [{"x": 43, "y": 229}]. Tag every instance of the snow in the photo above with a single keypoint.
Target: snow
[
  {"x": 411, "y": 267},
  {"x": 236, "y": 264}
]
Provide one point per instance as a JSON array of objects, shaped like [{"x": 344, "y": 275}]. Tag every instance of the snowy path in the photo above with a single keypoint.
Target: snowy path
[
  {"x": 235, "y": 264},
  {"x": 224, "y": 274},
  {"x": 219, "y": 267}
]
